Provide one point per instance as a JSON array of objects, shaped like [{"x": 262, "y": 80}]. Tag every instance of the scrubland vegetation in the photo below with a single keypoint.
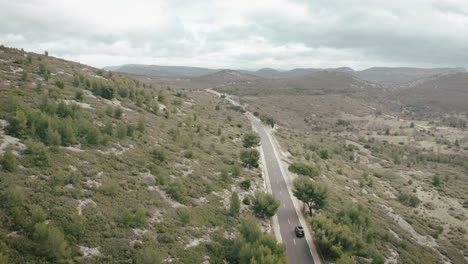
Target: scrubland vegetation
[
  {"x": 101, "y": 168},
  {"x": 380, "y": 186}
]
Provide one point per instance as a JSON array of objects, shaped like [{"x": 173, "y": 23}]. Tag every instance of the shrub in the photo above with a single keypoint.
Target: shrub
[
  {"x": 378, "y": 258},
  {"x": 245, "y": 184},
  {"x": 9, "y": 160},
  {"x": 184, "y": 215},
  {"x": 324, "y": 154},
  {"x": 335, "y": 239},
  {"x": 159, "y": 155},
  {"x": 436, "y": 180},
  {"x": 235, "y": 205},
  {"x": 303, "y": 169},
  {"x": 111, "y": 188},
  {"x": 253, "y": 246},
  {"x": 251, "y": 139},
  {"x": 38, "y": 154},
  {"x": 60, "y": 84},
  {"x": 165, "y": 238},
  {"x": 265, "y": 205},
  {"x": 409, "y": 199},
  {"x": 250, "y": 157},
  {"x": 149, "y": 255}
]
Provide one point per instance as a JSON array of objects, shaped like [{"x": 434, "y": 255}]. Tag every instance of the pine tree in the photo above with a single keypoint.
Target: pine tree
[{"x": 235, "y": 205}]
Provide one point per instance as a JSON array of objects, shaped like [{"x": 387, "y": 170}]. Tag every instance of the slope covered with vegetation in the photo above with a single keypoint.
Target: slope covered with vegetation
[
  {"x": 101, "y": 168},
  {"x": 381, "y": 186}
]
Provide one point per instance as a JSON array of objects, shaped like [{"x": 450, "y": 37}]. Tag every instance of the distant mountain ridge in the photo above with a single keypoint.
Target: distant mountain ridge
[{"x": 396, "y": 75}]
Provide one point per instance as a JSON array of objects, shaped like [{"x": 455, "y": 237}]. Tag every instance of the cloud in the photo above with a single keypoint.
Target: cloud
[{"x": 242, "y": 34}]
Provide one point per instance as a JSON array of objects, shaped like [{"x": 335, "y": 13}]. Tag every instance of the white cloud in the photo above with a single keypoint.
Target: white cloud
[{"x": 242, "y": 34}]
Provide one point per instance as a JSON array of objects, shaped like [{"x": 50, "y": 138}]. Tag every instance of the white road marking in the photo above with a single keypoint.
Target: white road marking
[
  {"x": 280, "y": 192},
  {"x": 289, "y": 222},
  {"x": 284, "y": 206},
  {"x": 294, "y": 240}
]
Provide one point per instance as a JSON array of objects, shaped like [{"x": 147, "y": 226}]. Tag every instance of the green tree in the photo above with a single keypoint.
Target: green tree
[
  {"x": 335, "y": 239},
  {"x": 251, "y": 139},
  {"x": 265, "y": 205},
  {"x": 38, "y": 215},
  {"x": 38, "y": 154},
  {"x": 253, "y": 246},
  {"x": 313, "y": 194},
  {"x": 17, "y": 124},
  {"x": 9, "y": 160},
  {"x": 235, "y": 205},
  {"x": 250, "y": 157},
  {"x": 50, "y": 242}
]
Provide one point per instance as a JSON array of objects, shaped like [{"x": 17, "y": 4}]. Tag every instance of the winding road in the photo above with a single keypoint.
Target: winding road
[
  {"x": 297, "y": 249},
  {"x": 288, "y": 216}
]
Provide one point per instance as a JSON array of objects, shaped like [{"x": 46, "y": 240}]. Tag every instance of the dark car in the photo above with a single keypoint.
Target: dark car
[{"x": 299, "y": 231}]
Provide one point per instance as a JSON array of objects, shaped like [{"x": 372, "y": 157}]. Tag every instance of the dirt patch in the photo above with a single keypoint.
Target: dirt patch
[
  {"x": 420, "y": 239},
  {"x": 441, "y": 207},
  {"x": 117, "y": 103},
  {"x": 83, "y": 105},
  {"x": 197, "y": 241},
  {"x": 116, "y": 151},
  {"x": 89, "y": 252},
  {"x": 6, "y": 140},
  {"x": 166, "y": 197}
]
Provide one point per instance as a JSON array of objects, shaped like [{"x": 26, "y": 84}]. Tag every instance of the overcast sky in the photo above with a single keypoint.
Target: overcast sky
[{"x": 242, "y": 34}]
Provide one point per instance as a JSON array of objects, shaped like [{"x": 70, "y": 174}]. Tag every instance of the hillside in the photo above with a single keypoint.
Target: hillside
[
  {"x": 402, "y": 75},
  {"x": 387, "y": 75},
  {"x": 396, "y": 181},
  {"x": 447, "y": 93},
  {"x": 224, "y": 77},
  {"x": 101, "y": 168},
  {"x": 160, "y": 71},
  {"x": 324, "y": 82}
]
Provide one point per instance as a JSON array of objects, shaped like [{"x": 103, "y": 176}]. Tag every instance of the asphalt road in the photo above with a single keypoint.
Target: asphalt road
[{"x": 297, "y": 249}]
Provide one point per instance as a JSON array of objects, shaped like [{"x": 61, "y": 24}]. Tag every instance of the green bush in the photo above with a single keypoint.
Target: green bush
[
  {"x": 159, "y": 155},
  {"x": 303, "y": 169},
  {"x": 265, "y": 205},
  {"x": 409, "y": 199},
  {"x": 250, "y": 157},
  {"x": 253, "y": 246},
  {"x": 38, "y": 154},
  {"x": 251, "y": 139},
  {"x": 334, "y": 239},
  {"x": 184, "y": 215},
  {"x": 378, "y": 258},
  {"x": 235, "y": 205},
  {"x": 9, "y": 160},
  {"x": 245, "y": 184},
  {"x": 149, "y": 255}
]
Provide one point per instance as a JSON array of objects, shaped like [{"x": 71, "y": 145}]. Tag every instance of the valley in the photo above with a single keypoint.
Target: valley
[{"x": 104, "y": 167}]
